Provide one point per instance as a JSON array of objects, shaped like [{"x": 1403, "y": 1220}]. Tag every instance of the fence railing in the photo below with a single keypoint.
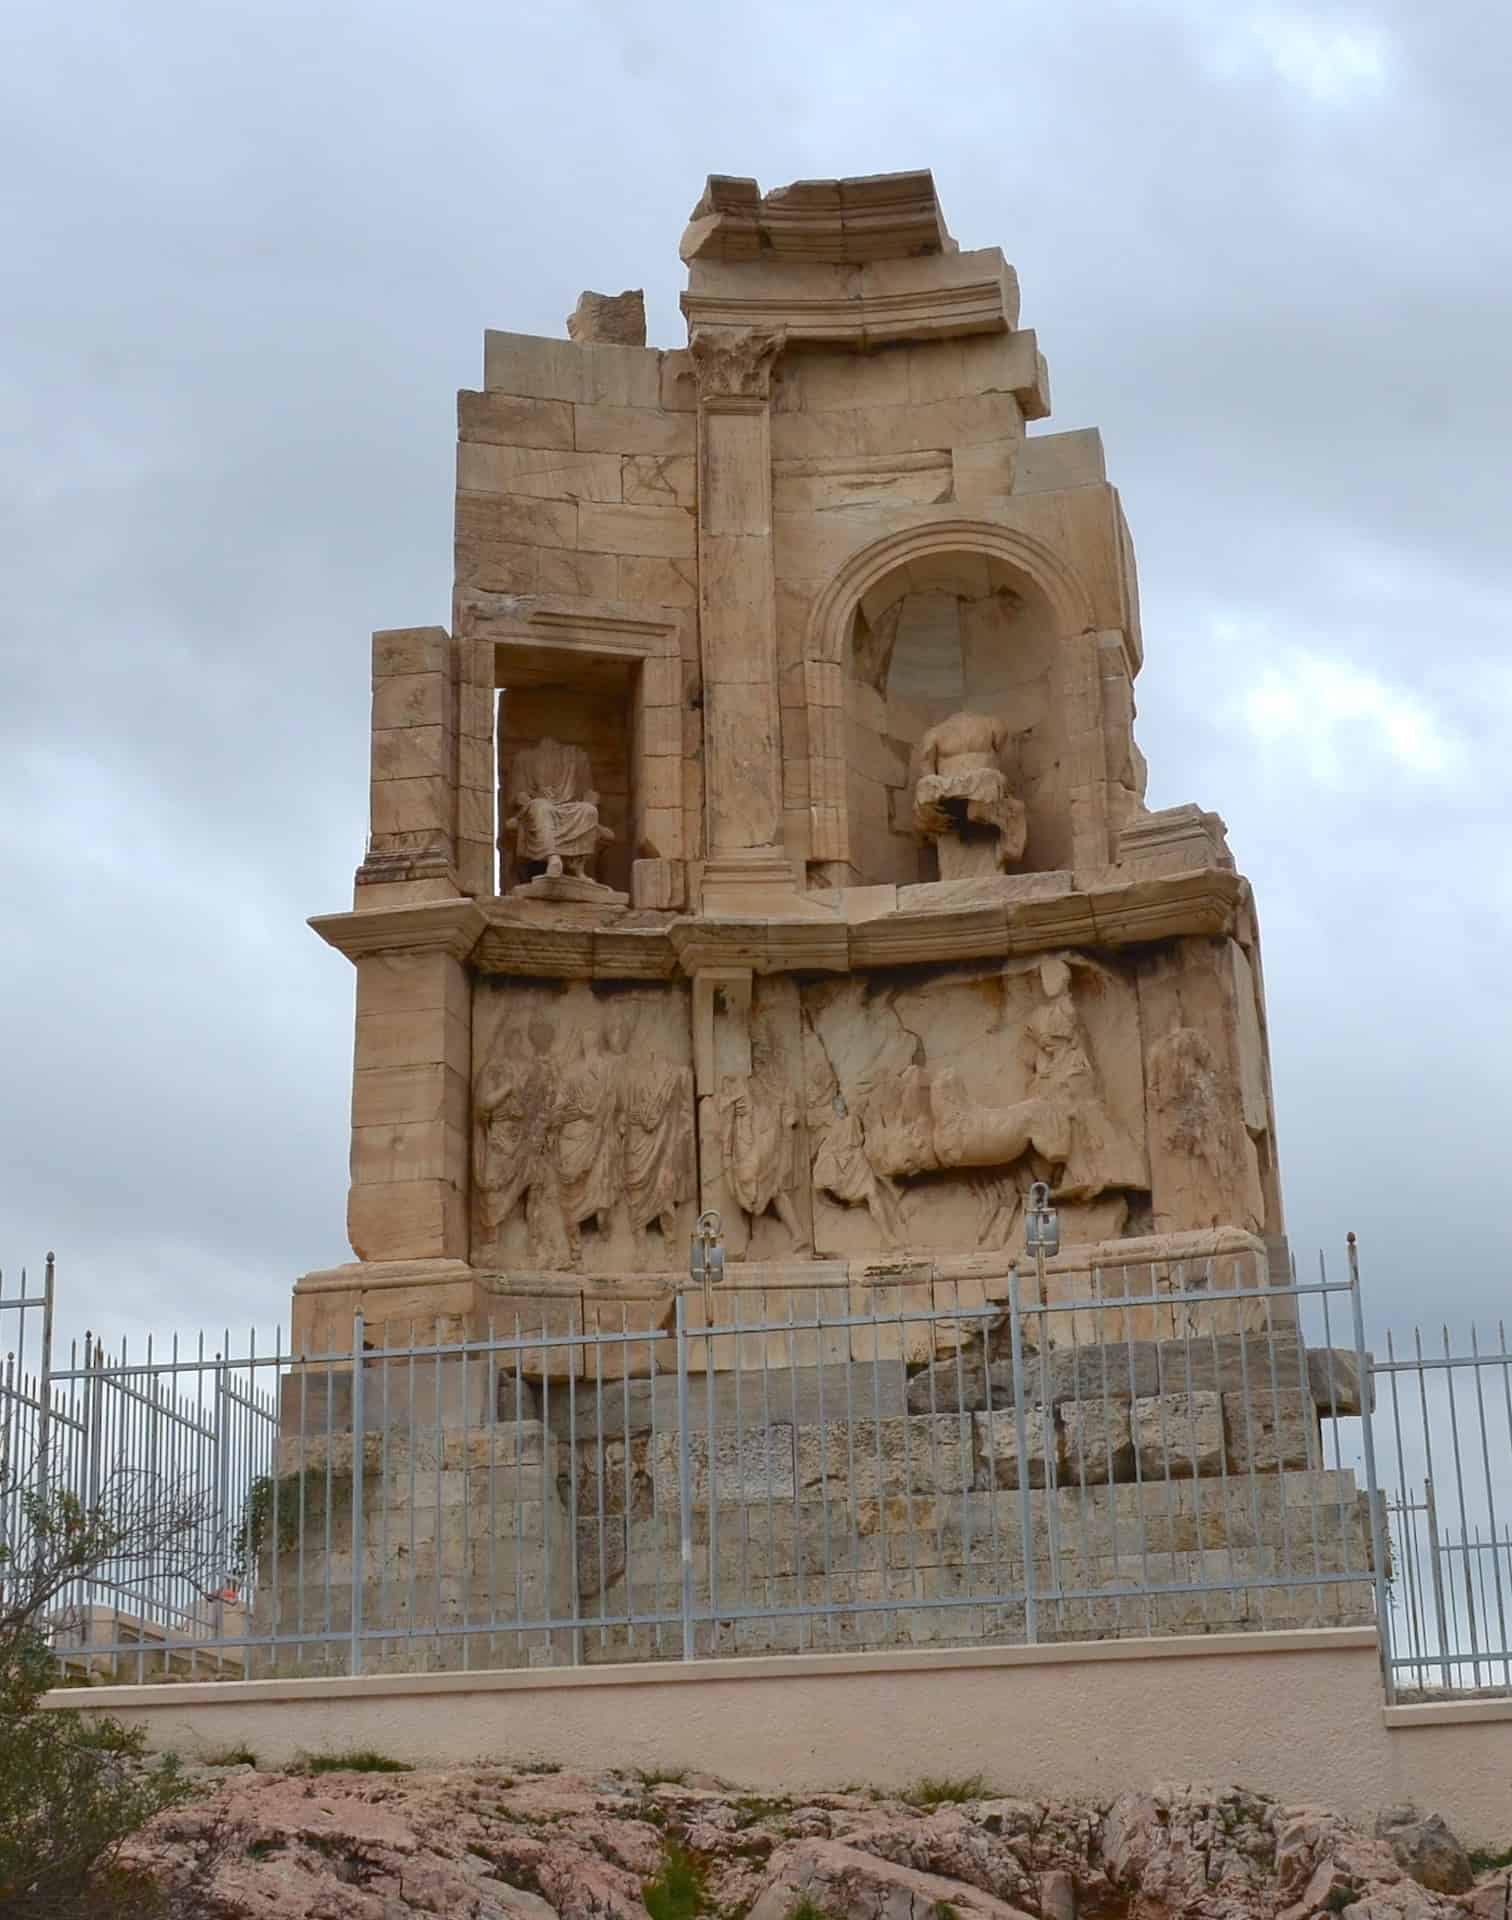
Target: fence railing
[
  {"x": 1444, "y": 1427},
  {"x": 905, "y": 1463}
]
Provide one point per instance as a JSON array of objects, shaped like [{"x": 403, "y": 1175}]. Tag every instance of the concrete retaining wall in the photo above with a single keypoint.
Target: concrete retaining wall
[{"x": 1297, "y": 1715}]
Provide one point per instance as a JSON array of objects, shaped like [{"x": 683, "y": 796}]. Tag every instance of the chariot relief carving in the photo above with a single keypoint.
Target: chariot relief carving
[{"x": 910, "y": 1123}]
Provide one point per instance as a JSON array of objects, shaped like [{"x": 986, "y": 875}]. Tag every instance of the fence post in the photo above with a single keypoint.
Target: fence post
[
  {"x": 224, "y": 1531},
  {"x": 358, "y": 1451},
  {"x": 1021, "y": 1429},
  {"x": 1372, "y": 1489},
  {"x": 1435, "y": 1567},
  {"x": 44, "y": 1379},
  {"x": 684, "y": 1482}
]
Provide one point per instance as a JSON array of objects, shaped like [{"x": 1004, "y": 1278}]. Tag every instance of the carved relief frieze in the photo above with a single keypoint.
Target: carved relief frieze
[
  {"x": 582, "y": 1129},
  {"x": 932, "y": 1106}
]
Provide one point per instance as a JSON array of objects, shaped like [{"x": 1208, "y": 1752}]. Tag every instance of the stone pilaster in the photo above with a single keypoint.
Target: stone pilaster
[{"x": 745, "y": 862}]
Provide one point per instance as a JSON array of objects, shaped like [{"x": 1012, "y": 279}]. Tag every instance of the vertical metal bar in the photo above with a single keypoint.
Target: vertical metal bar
[
  {"x": 799, "y": 1561},
  {"x": 711, "y": 1314},
  {"x": 574, "y": 1354},
  {"x": 600, "y": 1471},
  {"x": 1480, "y": 1408},
  {"x": 1459, "y": 1486},
  {"x": 884, "y": 1554},
  {"x": 1372, "y": 1484},
  {"x": 358, "y": 1462},
  {"x": 44, "y": 1378},
  {"x": 684, "y": 1484},
  {"x": 805, "y": 1622},
  {"x": 1436, "y": 1573},
  {"x": 464, "y": 1462},
  {"x": 519, "y": 1487},
  {"x": 1021, "y": 1429}
]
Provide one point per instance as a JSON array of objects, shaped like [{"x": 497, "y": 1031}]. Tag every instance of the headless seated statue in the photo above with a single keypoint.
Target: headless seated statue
[
  {"x": 553, "y": 811},
  {"x": 962, "y": 802}
]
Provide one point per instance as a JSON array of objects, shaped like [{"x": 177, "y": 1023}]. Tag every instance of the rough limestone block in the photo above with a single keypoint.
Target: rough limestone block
[
  {"x": 1097, "y": 1442},
  {"x": 748, "y": 1467},
  {"x": 875, "y": 1458},
  {"x": 998, "y": 1448},
  {"x": 1177, "y": 1435},
  {"x": 1271, "y": 1432}
]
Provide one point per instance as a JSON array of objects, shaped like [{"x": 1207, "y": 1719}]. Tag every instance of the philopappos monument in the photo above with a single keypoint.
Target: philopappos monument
[{"x": 767, "y": 836}]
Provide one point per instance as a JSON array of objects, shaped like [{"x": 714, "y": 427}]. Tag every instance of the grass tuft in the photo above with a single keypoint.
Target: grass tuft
[
  {"x": 232, "y": 1757},
  {"x": 928, "y": 1793},
  {"x": 1484, "y": 1862},
  {"x": 357, "y": 1760},
  {"x": 677, "y": 1892}
]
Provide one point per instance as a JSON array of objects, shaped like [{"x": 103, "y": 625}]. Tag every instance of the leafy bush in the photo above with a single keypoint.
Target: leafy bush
[{"x": 72, "y": 1788}]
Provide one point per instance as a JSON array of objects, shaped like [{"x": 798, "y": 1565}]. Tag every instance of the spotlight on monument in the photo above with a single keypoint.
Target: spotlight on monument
[
  {"x": 706, "y": 1253},
  {"x": 1041, "y": 1223}
]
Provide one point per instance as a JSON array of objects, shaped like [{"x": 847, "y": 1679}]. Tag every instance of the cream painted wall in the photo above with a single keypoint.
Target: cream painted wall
[{"x": 1295, "y": 1715}]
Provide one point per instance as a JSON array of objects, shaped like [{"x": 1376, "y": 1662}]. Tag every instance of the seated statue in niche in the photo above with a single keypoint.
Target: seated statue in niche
[
  {"x": 552, "y": 812},
  {"x": 961, "y": 799}
]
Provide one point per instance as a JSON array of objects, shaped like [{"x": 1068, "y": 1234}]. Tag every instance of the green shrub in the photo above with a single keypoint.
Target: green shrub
[
  {"x": 358, "y": 1760},
  {"x": 677, "y": 1892},
  {"x": 928, "y": 1793},
  {"x": 72, "y": 1788}
]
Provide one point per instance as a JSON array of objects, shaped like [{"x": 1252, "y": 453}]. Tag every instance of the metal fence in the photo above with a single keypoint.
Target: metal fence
[
  {"x": 909, "y": 1462},
  {"x": 1444, "y": 1426}
]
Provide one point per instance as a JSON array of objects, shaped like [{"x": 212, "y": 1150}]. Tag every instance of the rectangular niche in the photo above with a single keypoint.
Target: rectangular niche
[
  {"x": 607, "y": 680},
  {"x": 589, "y": 709}
]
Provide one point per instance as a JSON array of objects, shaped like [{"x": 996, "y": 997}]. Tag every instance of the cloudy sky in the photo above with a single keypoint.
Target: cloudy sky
[{"x": 247, "y": 255}]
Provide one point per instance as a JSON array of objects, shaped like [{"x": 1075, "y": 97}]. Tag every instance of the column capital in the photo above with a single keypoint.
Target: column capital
[{"x": 735, "y": 363}]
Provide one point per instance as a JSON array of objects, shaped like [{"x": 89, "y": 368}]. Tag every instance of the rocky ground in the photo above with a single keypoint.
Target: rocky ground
[{"x": 494, "y": 1845}]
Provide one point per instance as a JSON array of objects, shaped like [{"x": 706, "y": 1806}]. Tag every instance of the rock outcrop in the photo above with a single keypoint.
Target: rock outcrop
[{"x": 490, "y": 1844}]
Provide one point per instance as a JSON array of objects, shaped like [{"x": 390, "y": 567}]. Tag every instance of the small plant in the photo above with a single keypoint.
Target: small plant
[
  {"x": 677, "y": 1892},
  {"x": 358, "y": 1760},
  {"x": 661, "y": 1776},
  {"x": 1483, "y": 1862},
  {"x": 265, "y": 1849},
  {"x": 945, "y": 1911},
  {"x": 232, "y": 1757},
  {"x": 1339, "y": 1898},
  {"x": 807, "y": 1909},
  {"x": 926, "y": 1794},
  {"x": 751, "y": 1807}
]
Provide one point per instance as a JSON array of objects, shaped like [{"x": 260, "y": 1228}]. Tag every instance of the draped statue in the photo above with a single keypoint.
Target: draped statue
[{"x": 553, "y": 810}]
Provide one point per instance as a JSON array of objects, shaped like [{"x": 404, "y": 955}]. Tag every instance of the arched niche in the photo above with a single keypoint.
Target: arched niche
[{"x": 951, "y": 618}]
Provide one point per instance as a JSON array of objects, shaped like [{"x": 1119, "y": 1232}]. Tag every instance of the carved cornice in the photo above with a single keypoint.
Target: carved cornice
[
  {"x": 867, "y": 320},
  {"x": 733, "y": 364},
  {"x": 1109, "y": 909},
  {"x": 441, "y": 926}
]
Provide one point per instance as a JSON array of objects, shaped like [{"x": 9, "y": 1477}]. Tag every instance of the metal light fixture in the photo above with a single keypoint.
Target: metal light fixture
[
  {"x": 706, "y": 1258},
  {"x": 1041, "y": 1223}
]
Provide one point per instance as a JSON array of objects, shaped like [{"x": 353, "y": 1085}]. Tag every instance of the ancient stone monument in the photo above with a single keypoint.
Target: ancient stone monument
[{"x": 767, "y": 834}]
